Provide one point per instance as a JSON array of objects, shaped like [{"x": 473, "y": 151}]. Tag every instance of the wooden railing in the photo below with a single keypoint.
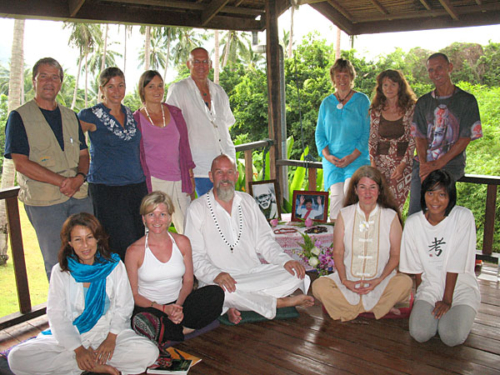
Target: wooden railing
[
  {"x": 492, "y": 183},
  {"x": 26, "y": 311}
]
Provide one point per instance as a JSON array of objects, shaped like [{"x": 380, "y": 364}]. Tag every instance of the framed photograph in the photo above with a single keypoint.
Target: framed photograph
[
  {"x": 265, "y": 194},
  {"x": 310, "y": 204}
]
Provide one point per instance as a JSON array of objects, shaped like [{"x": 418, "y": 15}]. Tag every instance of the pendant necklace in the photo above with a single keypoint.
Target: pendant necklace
[
  {"x": 341, "y": 101},
  {"x": 240, "y": 225},
  {"x": 151, "y": 121}
]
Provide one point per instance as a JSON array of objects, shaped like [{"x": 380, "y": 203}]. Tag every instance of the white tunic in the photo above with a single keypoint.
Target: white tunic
[
  {"x": 258, "y": 285},
  {"x": 434, "y": 250},
  {"x": 366, "y": 258},
  {"x": 54, "y": 354},
  {"x": 208, "y": 129}
]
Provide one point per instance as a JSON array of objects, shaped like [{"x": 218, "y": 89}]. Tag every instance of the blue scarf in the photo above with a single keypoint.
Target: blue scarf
[
  {"x": 95, "y": 299},
  {"x": 96, "y": 275}
]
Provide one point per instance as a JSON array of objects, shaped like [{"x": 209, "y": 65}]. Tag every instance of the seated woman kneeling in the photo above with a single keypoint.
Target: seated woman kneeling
[
  {"x": 439, "y": 247},
  {"x": 160, "y": 269},
  {"x": 89, "y": 308},
  {"x": 366, "y": 243}
]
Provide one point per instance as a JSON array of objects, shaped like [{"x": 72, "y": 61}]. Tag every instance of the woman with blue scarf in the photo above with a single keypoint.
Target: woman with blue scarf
[{"x": 89, "y": 307}]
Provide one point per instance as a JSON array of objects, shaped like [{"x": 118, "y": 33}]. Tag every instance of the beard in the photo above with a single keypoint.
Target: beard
[{"x": 225, "y": 193}]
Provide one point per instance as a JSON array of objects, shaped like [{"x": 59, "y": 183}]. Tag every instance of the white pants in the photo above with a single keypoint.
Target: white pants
[
  {"x": 45, "y": 356},
  {"x": 179, "y": 199},
  {"x": 338, "y": 192},
  {"x": 259, "y": 289}
]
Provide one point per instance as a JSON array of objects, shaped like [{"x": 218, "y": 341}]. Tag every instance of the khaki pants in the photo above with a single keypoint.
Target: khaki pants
[{"x": 397, "y": 290}]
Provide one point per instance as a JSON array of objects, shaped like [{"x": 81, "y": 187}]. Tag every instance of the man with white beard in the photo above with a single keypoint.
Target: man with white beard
[
  {"x": 227, "y": 232},
  {"x": 265, "y": 198}
]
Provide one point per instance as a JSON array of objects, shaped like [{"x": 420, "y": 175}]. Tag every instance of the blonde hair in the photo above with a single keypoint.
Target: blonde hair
[
  {"x": 343, "y": 65},
  {"x": 151, "y": 201}
]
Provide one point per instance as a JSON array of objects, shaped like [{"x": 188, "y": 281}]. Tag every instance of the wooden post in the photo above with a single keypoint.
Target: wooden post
[
  {"x": 312, "y": 179},
  {"x": 273, "y": 86},
  {"x": 16, "y": 244},
  {"x": 248, "y": 169},
  {"x": 489, "y": 219}
]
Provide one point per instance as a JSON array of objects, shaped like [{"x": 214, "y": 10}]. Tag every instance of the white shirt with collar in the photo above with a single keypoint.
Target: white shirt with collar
[{"x": 208, "y": 129}]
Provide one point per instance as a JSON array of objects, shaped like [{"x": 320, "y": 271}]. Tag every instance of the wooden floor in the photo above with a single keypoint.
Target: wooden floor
[{"x": 315, "y": 344}]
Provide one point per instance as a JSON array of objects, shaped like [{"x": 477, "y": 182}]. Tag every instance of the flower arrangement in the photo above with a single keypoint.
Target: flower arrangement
[{"x": 317, "y": 255}]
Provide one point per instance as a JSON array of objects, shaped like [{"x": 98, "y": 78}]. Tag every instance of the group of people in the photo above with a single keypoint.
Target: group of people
[
  {"x": 369, "y": 168},
  {"x": 107, "y": 276},
  {"x": 113, "y": 287}
]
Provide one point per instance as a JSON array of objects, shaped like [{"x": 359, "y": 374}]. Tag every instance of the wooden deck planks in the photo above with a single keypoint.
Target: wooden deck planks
[{"x": 315, "y": 344}]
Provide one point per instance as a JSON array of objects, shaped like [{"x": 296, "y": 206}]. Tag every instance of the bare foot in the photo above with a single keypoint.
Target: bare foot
[
  {"x": 105, "y": 369},
  {"x": 298, "y": 300},
  {"x": 234, "y": 315},
  {"x": 186, "y": 330},
  {"x": 395, "y": 311}
]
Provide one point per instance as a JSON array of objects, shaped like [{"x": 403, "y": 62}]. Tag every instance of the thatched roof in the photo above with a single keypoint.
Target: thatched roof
[{"x": 352, "y": 16}]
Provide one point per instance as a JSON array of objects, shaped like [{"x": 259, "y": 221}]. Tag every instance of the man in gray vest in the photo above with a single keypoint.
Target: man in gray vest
[{"x": 46, "y": 143}]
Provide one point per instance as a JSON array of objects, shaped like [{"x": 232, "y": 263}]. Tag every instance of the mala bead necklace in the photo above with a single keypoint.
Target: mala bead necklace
[{"x": 240, "y": 225}]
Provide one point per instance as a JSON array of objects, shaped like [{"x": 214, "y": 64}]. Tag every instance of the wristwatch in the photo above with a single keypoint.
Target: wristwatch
[{"x": 83, "y": 175}]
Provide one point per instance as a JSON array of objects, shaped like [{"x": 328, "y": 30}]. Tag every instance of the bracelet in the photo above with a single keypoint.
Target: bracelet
[
  {"x": 83, "y": 175},
  {"x": 163, "y": 308}
]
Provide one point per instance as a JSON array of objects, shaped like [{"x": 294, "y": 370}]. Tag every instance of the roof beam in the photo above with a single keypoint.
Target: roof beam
[
  {"x": 211, "y": 10},
  {"x": 450, "y": 9},
  {"x": 74, "y": 6},
  {"x": 380, "y": 7},
  {"x": 335, "y": 16},
  {"x": 340, "y": 9},
  {"x": 426, "y": 4}
]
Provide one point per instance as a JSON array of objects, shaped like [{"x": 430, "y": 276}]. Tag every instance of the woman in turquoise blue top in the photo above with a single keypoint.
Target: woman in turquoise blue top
[
  {"x": 342, "y": 133},
  {"x": 116, "y": 180}
]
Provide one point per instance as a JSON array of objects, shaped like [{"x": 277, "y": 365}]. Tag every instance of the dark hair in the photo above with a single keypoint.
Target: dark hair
[
  {"x": 343, "y": 65},
  {"x": 147, "y": 77},
  {"x": 406, "y": 96},
  {"x": 385, "y": 198},
  {"x": 437, "y": 55},
  {"x": 48, "y": 61},
  {"x": 87, "y": 220},
  {"x": 439, "y": 179}
]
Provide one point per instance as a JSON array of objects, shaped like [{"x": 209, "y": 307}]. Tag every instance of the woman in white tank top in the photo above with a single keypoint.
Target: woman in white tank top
[{"x": 160, "y": 270}]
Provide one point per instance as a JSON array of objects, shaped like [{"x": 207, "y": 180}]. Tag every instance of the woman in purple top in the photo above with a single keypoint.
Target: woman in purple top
[{"x": 165, "y": 153}]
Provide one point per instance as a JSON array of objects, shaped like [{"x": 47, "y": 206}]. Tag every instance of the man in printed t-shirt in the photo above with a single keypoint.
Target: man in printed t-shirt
[{"x": 445, "y": 121}]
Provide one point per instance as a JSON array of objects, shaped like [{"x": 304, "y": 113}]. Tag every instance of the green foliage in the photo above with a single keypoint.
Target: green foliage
[{"x": 482, "y": 159}]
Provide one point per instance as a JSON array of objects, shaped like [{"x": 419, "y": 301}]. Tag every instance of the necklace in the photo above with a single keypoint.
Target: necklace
[
  {"x": 240, "y": 225},
  {"x": 151, "y": 121},
  {"x": 341, "y": 101}
]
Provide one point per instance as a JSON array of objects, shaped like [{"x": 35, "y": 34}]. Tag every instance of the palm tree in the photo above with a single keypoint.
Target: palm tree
[
  {"x": 127, "y": 32},
  {"x": 216, "y": 57},
  {"x": 4, "y": 80},
  {"x": 146, "y": 31},
  {"x": 15, "y": 89},
  {"x": 83, "y": 36},
  {"x": 293, "y": 8},
  {"x": 188, "y": 39},
  {"x": 153, "y": 57},
  {"x": 235, "y": 45}
]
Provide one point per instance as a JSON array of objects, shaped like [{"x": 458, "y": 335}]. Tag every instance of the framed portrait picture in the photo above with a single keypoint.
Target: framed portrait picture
[
  {"x": 310, "y": 204},
  {"x": 265, "y": 194}
]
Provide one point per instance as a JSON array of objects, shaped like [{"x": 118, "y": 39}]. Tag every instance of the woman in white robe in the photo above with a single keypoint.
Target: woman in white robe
[
  {"x": 89, "y": 307},
  {"x": 366, "y": 243}
]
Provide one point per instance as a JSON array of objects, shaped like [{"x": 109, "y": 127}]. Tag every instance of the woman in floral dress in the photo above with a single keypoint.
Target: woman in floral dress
[
  {"x": 116, "y": 180},
  {"x": 391, "y": 144}
]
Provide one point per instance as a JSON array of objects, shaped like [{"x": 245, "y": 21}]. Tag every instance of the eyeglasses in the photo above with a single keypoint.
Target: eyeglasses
[
  {"x": 198, "y": 62},
  {"x": 47, "y": 77}
]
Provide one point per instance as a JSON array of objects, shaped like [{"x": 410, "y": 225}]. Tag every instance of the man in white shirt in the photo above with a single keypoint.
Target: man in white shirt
[
  {"x": 205, "y": 107},
  {"x": 227, "y": 232}
]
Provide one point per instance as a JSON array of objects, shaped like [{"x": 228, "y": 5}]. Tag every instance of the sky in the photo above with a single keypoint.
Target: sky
[{"x": 48, "y": 38}]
